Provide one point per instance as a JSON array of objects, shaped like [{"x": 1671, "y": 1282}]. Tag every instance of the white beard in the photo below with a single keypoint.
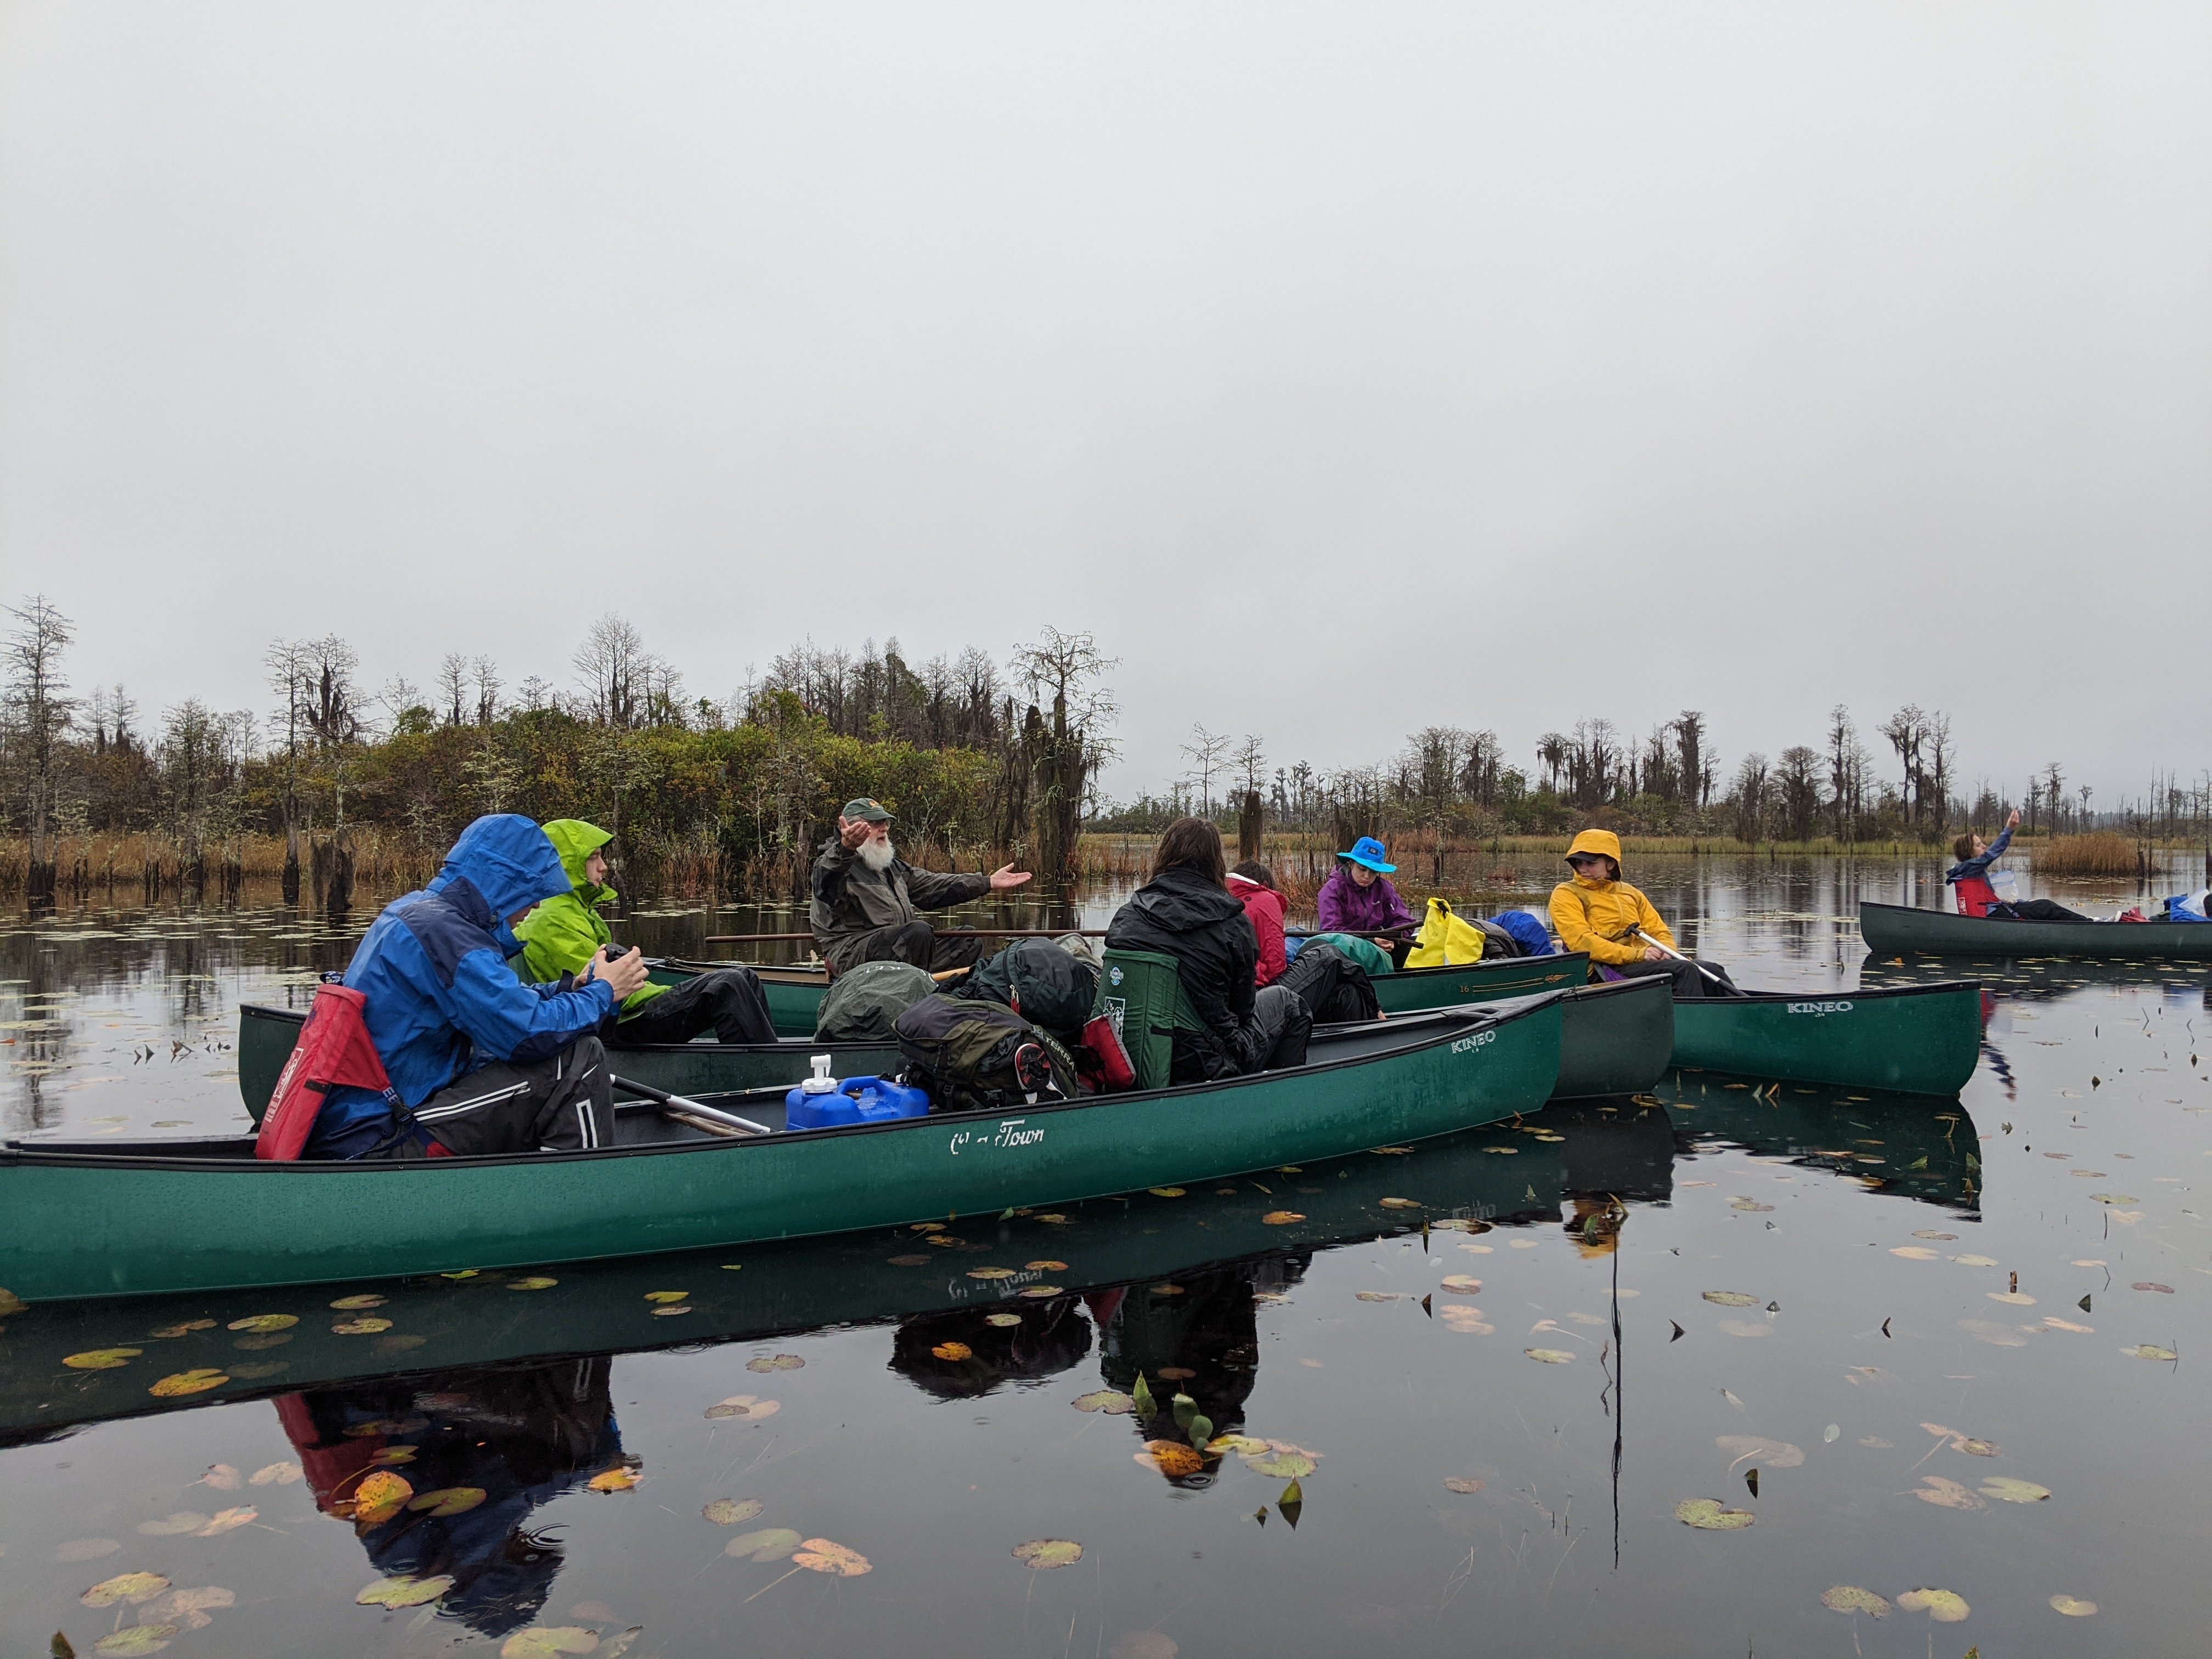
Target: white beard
[{"x": 878, "y": 855}]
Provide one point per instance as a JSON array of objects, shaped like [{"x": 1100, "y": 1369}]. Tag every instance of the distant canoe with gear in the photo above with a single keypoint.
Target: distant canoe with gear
[
  {"x": 1899, "y": 930},
  {"x": 109, "y": 1217}
]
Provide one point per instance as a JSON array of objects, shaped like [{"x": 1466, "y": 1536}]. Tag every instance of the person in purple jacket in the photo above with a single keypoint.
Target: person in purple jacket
[{"x": 1359, "y": 898}]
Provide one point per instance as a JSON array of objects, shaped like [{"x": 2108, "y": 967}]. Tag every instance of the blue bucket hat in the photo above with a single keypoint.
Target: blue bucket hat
[{"x": 1370, "y": 852}]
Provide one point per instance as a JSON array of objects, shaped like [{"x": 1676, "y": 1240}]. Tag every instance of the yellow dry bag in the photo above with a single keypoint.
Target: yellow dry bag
[{"x": 1445, "y": 940}]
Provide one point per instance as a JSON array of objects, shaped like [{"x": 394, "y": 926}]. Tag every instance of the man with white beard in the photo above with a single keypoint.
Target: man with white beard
[{"x": 866, "y": 897}]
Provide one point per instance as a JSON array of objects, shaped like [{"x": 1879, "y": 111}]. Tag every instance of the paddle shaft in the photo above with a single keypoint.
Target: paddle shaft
[
  {"x": 674, "y": 1104},
  {"x": 949, "y": 932},
  {"x": 1679, "y": 957}
]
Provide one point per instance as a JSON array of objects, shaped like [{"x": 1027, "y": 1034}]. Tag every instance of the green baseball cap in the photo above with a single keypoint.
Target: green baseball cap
[{"x": 868, "y": 807}]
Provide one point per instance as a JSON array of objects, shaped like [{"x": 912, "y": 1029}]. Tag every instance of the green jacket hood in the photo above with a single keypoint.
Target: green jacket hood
[{"x": 577, "y": 841}]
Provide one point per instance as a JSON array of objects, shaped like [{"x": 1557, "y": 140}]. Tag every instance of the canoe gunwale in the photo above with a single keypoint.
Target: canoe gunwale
[{"x": 1453, "y": 1023}]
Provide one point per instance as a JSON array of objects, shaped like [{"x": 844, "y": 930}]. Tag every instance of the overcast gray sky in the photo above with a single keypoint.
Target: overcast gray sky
[{"x": 1347, "y": 369}]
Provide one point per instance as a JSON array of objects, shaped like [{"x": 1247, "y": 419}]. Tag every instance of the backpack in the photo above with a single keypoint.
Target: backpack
[
  {"x": 1530, "y": 930},
  {"x": 1334, "y": 987},
  {"x": 1364, "y": 952},
  {"x": 1049, "y": 986},
  {"x": 971, "y": 1056},
  {"x": 863, "y": 1004},
  {"x": 334, "y": 1051}
]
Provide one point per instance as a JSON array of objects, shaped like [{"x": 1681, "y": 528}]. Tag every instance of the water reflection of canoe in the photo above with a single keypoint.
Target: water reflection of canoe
[
  {"x": 104, "y": 1218},
  {"x": 1915, "y": 1040},
  {"x": 1906, "y": 1148},
  {"x": 1615, "y": 1041},
  {"x": 1905, "y": 930},
  {"x": 788, "y": 1285}
]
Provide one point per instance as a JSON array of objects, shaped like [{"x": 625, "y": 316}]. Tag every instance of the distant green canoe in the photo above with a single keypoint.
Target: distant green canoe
[
  {"x": 1917, "y": 1039},
  {"x": 101, "y": 1217},
  {"x": 1892, "y": 930}
]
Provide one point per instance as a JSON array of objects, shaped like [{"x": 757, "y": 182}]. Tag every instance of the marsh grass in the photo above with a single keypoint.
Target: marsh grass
[{"x": 2103, "y": 853}]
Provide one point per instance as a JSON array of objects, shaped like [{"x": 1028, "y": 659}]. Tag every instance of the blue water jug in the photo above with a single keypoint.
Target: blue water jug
[{"x": 823, "y": 1102}]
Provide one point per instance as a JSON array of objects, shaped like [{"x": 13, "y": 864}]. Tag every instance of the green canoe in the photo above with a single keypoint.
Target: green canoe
[
  {"x": 1614, "y": 1039},
  {"x": 874, "y": 1277},
  {"x": 1914, "y": 1039},
  {"x": 1892, "y": 930},
  {"x": 100, "y": 1219}
]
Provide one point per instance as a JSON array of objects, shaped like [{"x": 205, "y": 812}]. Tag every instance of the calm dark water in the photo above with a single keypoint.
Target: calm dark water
[{"x": 1902, "y": 1322}]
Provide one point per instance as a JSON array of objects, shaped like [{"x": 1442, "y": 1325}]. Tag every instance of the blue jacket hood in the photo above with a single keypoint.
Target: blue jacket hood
[{"x": 507, "y": 858}]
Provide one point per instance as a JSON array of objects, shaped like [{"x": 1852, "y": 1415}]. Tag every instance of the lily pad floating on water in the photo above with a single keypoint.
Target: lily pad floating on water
[
  {"x": 768, "y": 1544},
  {"x": 953, "y": 1351},
  {"x": 1975, "y": 1260},
  {"x": 1280, "y": 1217},
  {"x": 132, "y": 1587},
  {"x": 351, "y": 1303},
  {"x": 1929, "y": 1233},
  {"x": 1042, "y": 1555},
  {"x": 404, "y": 1591},
  {"x": 665, "y": 1296},
  {"x": 744, "y": 1407},
  {"x": 1376, "y": 1296},
  {"x": 262, "y": 1323},
  {"x": 617, "y": 1479},
  {"x": 1112, "y": 1402},
  {"x": 1281, "y": 1462},
  {"x": 534, "y": 1282},
  {"x": 1731, "y": 1298},
  {"x": 1550, "y": 1356},
  {"x": 1849, "y": 1598},
  {"x": 447, "y": 1500},
  {"x": 380, "y": 1496},
  {"x": 1709, "y": 1515},
  {"x": 544, "y": 1641},
  {"x": 2150, "y": 1351},
  {"x": 174, "y": 1526},
  {"x": 199, "y": 1380},
  {"x": 1946, "y": 1494},
  {"x": 1167, "y": 1192},
  {"x": 2008, "y": 1490},
  {"x": 777, "y": 1361},
  {"x": 1944, "y": 1606},
  {"x": 274, "y": 1474},
  {"x": 1041, "y": 1293},
  {"x": 730, "y": 1511},
  {"x": 369, "y": 1327},
  {"x": 1046, "y": 1265},
  {"x": 2072, "y": 1606},
  {"x": 100, "y": 1359},
  {"x": 183, "y": 1327},
  {"x": 1463, "y": 1483},
  {"x": 991, "y": 1273},
  {"x": 1002, "y": 1320},
  {"x": 821, "y": 1555},
  {"x": 1172, "y": 1458},
  {"x": 2140, "y": 1285},
  {"x": 1401, "y": 1203},
  {"x": 1465, "y": 1284},
  {"x": 1749, "y": 1204},
  {"x": 133, "y": 1639},
  {"x": 1774, "y": 1454},
  {"x": 1916, "y": 1253},
  {"x": 223, "y": 1521}
]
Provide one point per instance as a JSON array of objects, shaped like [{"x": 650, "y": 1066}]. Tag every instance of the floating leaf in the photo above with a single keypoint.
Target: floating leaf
[
  {"x": 464, "y": 1273},
  {"x": 350, "y": 1303},
  {"x": 1282, "y": 1461},
  {"x": 11, "y": 1303},
  {"x": 1463, "y": 1483},
  {"x": 2057, "y": 1324},
  {"x": 133, "y": 1587},
  {"x": 1042, "y": 1292},
  {"x": 223, "y": 1521},
  {"x": 2072, "y": 1606},
  {"x": 2115, "y": 1198},
  {"x": 2008, "y": 1490},
  {"x": 1166, "y": 1192},
  {"x": 1142, "y": 1394},
  {"x": 1944, "y": 1606},
  {"x": 380, "y": 1496},
  {"x": 1731, "y": 1298},
  {"x": 1946, "y": 1494},
  {"x": 1401, "y": 1203},
  {"x": 369, "y": 1327},
  {"x": 543, "y": 1641},
  {"x": 1709, "y": 1515},
  {"x": 1750, "y": 1205},
  {"x": 953, "y": 1351},
  {"x": 1041, "y": 1554},
  {"x": 196, "y": 1381},
  {"x": 1111, "y": 1401},
  {"x": 746, "y": 1406},
  {"x": 1236, "y": 1442},
  {"x": 820, "y": 1555},
  {"x": 1774, "y": 1454},
  {"x": 617, "y": 1479},
  {"x": 1917, "y": 1252},
  {"x": 135, "y": 1639},
  {"x": 1045, "y": 1266},
  {"x": 1465, "y": 1284},
  {"x": 187, "y": 1607},
  {"x": 729, "y": 1511},
  {"x": 671, "y": 1313},
  {"x": 777, "y": 1361},
  {"x": 1280, "y": 1217},
  {"x": 991, "y": 1273},
  {"x": 447, "y": 1500},
  {"x": 100, "y": 1359},
  {"x": 1171, "y": 1457},
  {"x": 223, "y": 1478},
  {"x": 1376, "y": 1296},
  {"x": 1002, "y": 1320},
  {"x": 1167, "y": 1289},
  {"x": 404, "y": 1591},
  {"x": 182, "y": 1522},
  {"x": 1550, "y": 1356},
  {"x": 2140, "y": 1285},
  {"x": 1849, "y": 1598},
  {"x": 768, "y": 1544},
  {"x": 2151, "y": 1350},
  {"x": 1929, "y": 1233},
  {"x": 534, "y": 1282},
  {"x": 1056, "y": 1220},
  {"x": 264, "y": 1322},
  {"x": 1975, "y": 1260},
  {"x": 1144, "y": 1644},
  {"x": 2015, "y": 1298},
  {"x": 182, "y": 1328}
]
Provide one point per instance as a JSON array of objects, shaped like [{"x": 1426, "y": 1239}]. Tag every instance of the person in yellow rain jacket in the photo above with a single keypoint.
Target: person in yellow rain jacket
[{"x": 1600, "y": 913}]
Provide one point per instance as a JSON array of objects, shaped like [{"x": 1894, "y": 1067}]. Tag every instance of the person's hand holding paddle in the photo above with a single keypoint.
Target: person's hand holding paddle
[{"x": 624, "y": 974}]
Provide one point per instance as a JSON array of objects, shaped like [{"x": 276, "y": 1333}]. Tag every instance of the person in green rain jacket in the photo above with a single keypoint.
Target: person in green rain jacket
[{"x": 566, "y": 931}]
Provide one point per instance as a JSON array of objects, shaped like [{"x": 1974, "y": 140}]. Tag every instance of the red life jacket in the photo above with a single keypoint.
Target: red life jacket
[
  {"x": 334, "y": 1051},
  {"x": 1975, "y": 896}
]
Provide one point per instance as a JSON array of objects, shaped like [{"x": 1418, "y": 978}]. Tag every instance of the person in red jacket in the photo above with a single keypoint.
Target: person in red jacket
[{"x": 1252, "y": 884}]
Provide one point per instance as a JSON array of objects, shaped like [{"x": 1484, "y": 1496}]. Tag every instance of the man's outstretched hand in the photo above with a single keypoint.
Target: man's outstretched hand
[
  {"x": 851, "y": 832},
  {"x": 625, "y": 974},
  {"x": 1006, "y": 876}
]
